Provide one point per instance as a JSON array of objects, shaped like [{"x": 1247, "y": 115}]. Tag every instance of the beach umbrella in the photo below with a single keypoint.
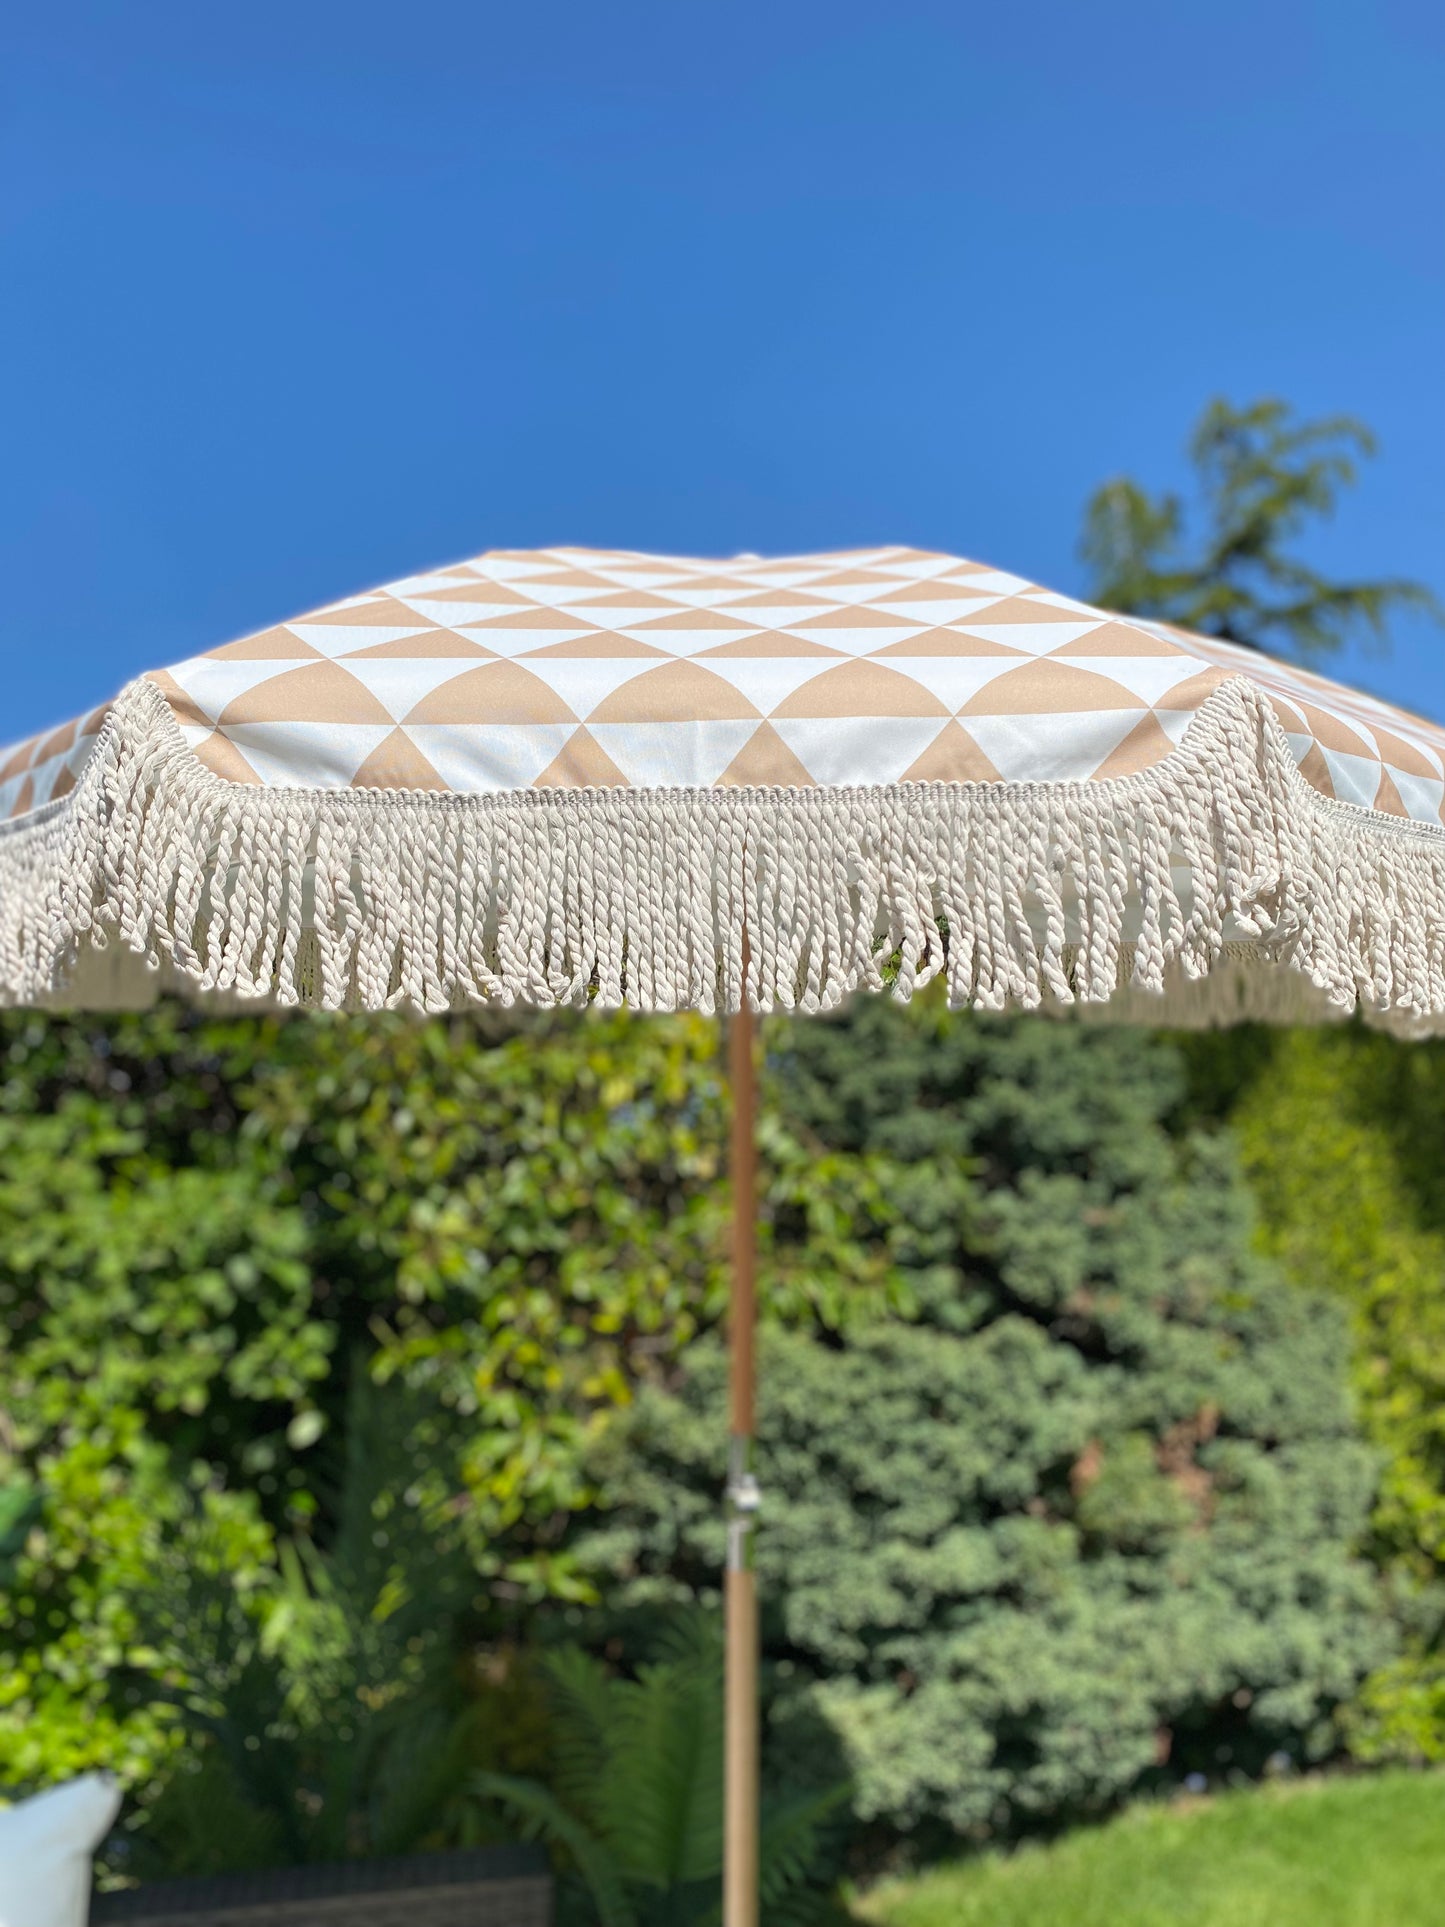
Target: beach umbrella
[{"x": 570, "y": 776}]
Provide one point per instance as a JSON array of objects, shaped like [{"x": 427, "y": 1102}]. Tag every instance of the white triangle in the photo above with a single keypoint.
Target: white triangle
[
  {"x": 318, "y": 756},
  {"x": 758, "y": 580},
  {"x": 955, "y": 609},
  {"x": 850, "y": 596},
  {"x": 996, "y": 582},
  {"x": 684, "y": 642},
  {"x": 955, "y": 680},
  {"x": 861, "y": 642},
  {"x": 1052, "y": 600},
  {"x": 1051, "y": 749},
  {"x": 562, "y": 595},
  {"x": 767, "y": 681},
  {"x": 859, "y": 749},
  {"x": 710, "y": 598},
  {"x": 212, "y": 684},
  {"x": 344, "y": 638},
  {"x": 1175, "y": 724},
  {"x": 511, "y": 568},
  {"x": 584, "y": 681},
  {"x": 917, "y": 568},
  {"x": 624, "y": 616},
  {"x": 1034, "y": 638},
  {"x": 1422, "y": 796},
  {"x": 399, "y": 683},
  {"x": 785, "y": 616},
  {"x": 472, "y": 758},
  {"x": 517, "y": 642},
  {"x": 673, "y": 755},
  {"x": 426, "y": 585},
  {"x": 452, "y": 614},
  {"x": 1148, "y": 677},
  {"x": 1356, "y": 778}
]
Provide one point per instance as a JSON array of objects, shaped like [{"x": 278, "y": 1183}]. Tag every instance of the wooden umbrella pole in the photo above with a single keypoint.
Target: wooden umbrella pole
[{"x": 740, "y": 1802}]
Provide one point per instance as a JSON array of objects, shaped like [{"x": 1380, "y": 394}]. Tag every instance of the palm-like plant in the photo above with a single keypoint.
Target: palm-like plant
[{"x": 634, "y": 1803}]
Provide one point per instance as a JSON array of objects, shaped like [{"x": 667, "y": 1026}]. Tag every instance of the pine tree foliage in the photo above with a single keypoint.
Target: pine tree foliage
[
  {"x": 1262, "y": 479},
  {"x": 1090, "y": 1511}
]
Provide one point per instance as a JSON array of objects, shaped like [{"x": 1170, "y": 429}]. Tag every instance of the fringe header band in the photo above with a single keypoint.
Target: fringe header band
[{"x": 1215, "y": 886}]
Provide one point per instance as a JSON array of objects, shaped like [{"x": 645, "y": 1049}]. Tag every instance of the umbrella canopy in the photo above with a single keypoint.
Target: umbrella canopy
[{"x": 567, "y": 775}]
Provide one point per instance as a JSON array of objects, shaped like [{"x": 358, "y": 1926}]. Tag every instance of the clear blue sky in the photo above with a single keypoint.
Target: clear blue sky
[{"x": 297, "y": 297}]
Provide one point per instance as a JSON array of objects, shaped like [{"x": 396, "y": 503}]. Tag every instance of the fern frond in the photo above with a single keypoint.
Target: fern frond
[
  {"x": 543, "y": 1817},
  {"x": 792, "y": 1840},
  {"x": 586, "y": 1707}
]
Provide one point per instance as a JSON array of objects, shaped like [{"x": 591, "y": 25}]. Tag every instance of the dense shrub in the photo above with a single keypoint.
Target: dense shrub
[{"x": 1090, "y": 1509}]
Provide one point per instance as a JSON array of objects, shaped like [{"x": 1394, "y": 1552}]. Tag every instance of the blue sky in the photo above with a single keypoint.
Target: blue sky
[{"x": 294, "y": 298}]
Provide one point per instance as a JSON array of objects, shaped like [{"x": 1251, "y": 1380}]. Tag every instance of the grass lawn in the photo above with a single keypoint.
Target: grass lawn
[{"x": 1364, "y": 1852}]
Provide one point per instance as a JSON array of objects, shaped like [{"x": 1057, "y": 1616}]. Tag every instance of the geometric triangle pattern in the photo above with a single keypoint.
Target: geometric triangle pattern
[{"x": 589, "y": 668}]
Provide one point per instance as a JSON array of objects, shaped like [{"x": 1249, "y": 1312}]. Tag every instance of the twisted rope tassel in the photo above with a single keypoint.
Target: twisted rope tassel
[{"x": 1130, "y": 896}]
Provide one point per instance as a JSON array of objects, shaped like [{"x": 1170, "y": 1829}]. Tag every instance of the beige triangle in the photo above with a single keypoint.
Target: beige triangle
[
  {"x": 857, "y": 616},
  {"x": 22, "y": 757},
  {"x": 628, "y": 599},
  {"x": 679, "y": 693},
  {"x": 1332, "y": 732},
  {"x": 1117, "y": 639},
  {"x": 765, "y": 762},
  {"x": 317, "y": 692},
  {"x": 1406, "y": 756},
  {"x": 947, "y": 642},
  {"x": 691, "y": 581},
  {"x": 427, "y": 645},
  {"x": 1193, "y": 691},
  {"x": 952, "y": 757},
  {"x": 497, "y": 692},
  {"x": 267, "y": 645},
  {"x": 95, "y": 721},
  {"x": 1144, "y": 746},
  {"x": 774, "y": 643},
  {"x": 1048, "y": 687},
  {"x": 861, "y": 688},
  {"x": 56, "y": 743},
  {"x": 1388, "y": 798},
  {"x": 535, "y": 616},
  {"x": 221, "y": 756},
  {"x": 381, "y": 612},
  {"x": 855, "y": 579},
  {"x": 581, "y": 764},
  {"x": 693, "y": 619},
  {"x": 1316, "y": 771},
  {"x": 468, "y": 592},
  {"x": 928, "y": 590},
  {"x": 183, "y": 707},
  {"x": 1018, "y": 608},
  {"x": 778, "y": 599},
  {"x": 65, "y": 782},
  {"x": 397, "y": 764},
  {"x": 572, "y": 579},
  {"x": 604, "y": 642}
]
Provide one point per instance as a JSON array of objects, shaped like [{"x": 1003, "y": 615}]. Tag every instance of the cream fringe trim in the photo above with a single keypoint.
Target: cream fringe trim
[{"x": 1215, "y": 886}]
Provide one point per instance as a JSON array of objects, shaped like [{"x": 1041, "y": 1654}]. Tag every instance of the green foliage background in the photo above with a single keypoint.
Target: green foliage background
[
  {"x": 1066, "y": 1480},
  {"x": 1340, "y": 1134},
  {"x": 208, "y": 1229}
]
